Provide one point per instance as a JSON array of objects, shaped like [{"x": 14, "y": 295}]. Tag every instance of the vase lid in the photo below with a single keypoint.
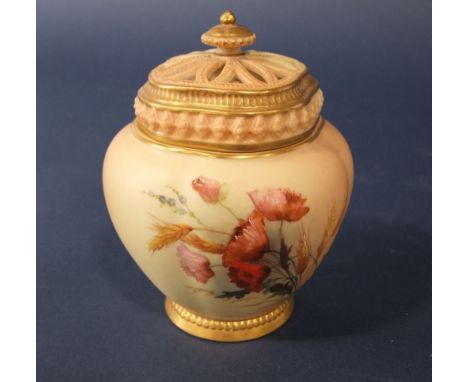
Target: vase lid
[{"x": 227, "y": 98}]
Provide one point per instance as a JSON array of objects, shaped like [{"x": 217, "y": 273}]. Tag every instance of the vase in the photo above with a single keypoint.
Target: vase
[{"x": 229, "y": 187}]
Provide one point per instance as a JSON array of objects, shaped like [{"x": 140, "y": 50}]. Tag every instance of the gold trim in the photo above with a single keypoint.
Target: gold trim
[
  {"x": 231, "y": 151},
  {"x": 193, "y": 98},
  {"x": 227, "y": 17},
  {"x": 201, "y": 326}
]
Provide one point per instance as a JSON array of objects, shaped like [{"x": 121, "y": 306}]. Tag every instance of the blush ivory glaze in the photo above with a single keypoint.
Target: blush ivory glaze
[{"x": 227, "y": 214}]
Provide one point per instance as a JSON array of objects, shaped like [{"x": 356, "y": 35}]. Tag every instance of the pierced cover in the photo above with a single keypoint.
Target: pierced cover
[{"x": 229, "y": 97}]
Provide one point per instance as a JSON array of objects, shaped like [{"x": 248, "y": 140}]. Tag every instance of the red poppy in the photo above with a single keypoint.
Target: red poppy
[
  {"x": 279, "y": 204},
  {"x": 248, "y": 242},
  {"x": 248, "y": 276}
]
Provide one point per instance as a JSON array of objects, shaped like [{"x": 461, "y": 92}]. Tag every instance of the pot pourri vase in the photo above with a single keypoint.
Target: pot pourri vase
[{"x": 229, "y": 187}]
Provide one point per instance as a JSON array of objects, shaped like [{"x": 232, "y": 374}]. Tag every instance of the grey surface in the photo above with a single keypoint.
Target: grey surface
[{"x": 366, "y": 316}]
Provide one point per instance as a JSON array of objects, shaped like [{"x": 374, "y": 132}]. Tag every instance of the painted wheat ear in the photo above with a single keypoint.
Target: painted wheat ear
[
  {"x": 203, "y": 244},
  {"x": 167, "y": 234}
]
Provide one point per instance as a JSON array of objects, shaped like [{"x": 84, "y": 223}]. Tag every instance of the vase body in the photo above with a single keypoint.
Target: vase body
[{"x": 141, "y": 179}]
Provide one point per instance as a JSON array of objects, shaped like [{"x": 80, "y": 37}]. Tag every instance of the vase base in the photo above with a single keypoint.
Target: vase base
[{"x": 230, "y": 330}]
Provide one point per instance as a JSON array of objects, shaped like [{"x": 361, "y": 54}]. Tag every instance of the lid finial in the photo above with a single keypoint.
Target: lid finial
[
  {"x": 228, "y": 36},
  {"x": 227, "y": 17}
]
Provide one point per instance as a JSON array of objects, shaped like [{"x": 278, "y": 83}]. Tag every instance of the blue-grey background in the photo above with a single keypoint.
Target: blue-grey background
[{"x": 366, "y": 316}]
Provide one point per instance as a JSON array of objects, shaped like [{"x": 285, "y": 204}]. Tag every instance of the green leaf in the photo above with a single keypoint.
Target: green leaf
[
  {"x": 237, "y": 294},
  {"x": 280, "y": 289}
]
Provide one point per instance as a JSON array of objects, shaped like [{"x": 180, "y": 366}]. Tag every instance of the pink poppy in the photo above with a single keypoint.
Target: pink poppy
[
  {"x": 279, "y": 204},
  {"x": 194, "y": 264},
  {"x": 208, "y": 189}
]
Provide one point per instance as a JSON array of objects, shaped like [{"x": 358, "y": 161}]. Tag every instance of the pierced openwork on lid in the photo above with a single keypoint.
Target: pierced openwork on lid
[
  {"x": 252, "y": 71},
  {"x": 227, "y": 96},
  {"x": 248, "y": 84}
]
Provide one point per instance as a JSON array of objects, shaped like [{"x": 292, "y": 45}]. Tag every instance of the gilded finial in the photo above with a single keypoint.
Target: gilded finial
[
  {"x": 228, "y": 36},
  {"x": 227, "y": 18}
]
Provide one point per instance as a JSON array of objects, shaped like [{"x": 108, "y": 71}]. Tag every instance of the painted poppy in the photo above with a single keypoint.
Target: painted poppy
[
  {"x": 208, "y": 189},
  {"x": 194, "y": 264},
  {"x": 279, "y": 204},
  {"x": 248, "y": 242},
  {"x": 248, "y": 276}
]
